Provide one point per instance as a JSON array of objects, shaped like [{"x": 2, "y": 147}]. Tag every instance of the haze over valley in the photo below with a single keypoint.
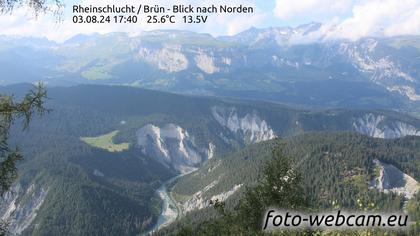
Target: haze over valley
[
  {"x": 172, "y": 132},
  {"x": 280, "y": 64}
]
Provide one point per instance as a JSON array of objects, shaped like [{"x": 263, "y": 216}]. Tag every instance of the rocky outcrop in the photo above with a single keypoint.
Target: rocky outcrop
[
  {"x": 173, "y": 146},
  {"x": 20, "y": 207},
  {"x": 206, "y": 63},
  {"x": 250, "y": 126},
  {"x": 199, "y": 201},
  {"x": 168, "y": 58},
  {"x": 378, "y": 127},
  {"x": 391, "y": 179}
]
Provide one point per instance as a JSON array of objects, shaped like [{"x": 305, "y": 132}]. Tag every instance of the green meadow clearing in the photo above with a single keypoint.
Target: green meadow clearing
[{"x": 106, "y": 142}]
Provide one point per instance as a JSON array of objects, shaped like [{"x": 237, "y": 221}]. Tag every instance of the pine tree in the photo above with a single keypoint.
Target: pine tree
[
  {"x": 38, "y": 6},
  {"x": 10, "y": 110},
  {"x": 279, "y": 187}
]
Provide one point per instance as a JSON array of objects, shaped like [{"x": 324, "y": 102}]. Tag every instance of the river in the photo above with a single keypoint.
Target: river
[{"x": 170, "y": 210}]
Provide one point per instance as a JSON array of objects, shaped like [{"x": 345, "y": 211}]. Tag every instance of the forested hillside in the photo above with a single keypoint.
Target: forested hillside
[
  {"x": 337, "y": 170},
  {"x": 103, "y": 151}
]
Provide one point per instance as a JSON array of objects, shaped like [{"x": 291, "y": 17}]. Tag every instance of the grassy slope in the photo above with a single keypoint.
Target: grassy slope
[{"x": 106, "y": 142}]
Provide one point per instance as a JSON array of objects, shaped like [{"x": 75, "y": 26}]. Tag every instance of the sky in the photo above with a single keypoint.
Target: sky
[{"x": 350, "y": 19}]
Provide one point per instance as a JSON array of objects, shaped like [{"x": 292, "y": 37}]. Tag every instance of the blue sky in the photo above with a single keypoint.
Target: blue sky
[{"x": 349, "y": 19}]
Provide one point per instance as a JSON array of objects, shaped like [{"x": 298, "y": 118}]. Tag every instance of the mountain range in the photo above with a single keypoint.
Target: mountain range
[{"x": 296, "y": 66}]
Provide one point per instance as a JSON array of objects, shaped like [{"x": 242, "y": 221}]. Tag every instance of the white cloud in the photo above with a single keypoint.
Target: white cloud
[
  {"x": 21, "y": 22},
  {"x": 298, "y": 8},
  {"x": 381, "y": 18},
  {"x": 362, "y": 18},
  {"x": 350, "y": 19}
]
